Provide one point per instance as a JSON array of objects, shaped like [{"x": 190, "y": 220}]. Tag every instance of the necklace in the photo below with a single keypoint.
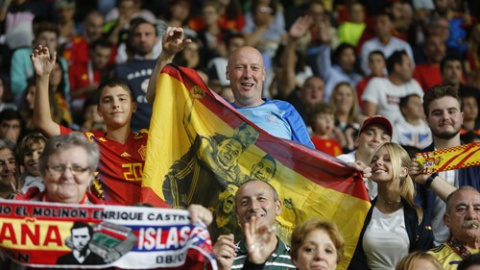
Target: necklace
[{"x": 385, "y": 202}]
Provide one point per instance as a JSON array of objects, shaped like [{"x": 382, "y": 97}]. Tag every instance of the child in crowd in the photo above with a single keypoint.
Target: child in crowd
[
  {"x": 412, "y": 130},
  {"x": 92, "y": 121},
  {"x": 28, "y": 153},
  {"x": 323, "y": 125},
  {"x": 377, "y": 64},
  {"x": 470, "y": 116}
]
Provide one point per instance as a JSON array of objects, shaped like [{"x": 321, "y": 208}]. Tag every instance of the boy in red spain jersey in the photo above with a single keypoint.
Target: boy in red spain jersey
[{"x": 122, "y": 152}]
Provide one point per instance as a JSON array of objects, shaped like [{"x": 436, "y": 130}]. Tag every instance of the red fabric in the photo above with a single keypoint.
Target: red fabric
[
  {"x": 327, "y": 146},
  {"x": 120, "y": 169},
  {"x": 76, "y": 51},
  {"x": 427, "y": 75},
  {"x": 236, "y": 25},
  {"x": 78, "y": 77}
]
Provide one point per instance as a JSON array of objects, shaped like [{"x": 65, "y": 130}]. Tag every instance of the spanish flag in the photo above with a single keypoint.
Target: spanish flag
[{"x": 200, "y": 149}]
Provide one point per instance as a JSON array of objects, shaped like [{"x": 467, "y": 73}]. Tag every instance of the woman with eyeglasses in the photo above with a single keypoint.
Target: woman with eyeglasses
[{"x": 67, "y": 164}]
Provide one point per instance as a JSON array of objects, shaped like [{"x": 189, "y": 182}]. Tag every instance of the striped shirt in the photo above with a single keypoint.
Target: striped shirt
[{"x": 279, "y": 260}]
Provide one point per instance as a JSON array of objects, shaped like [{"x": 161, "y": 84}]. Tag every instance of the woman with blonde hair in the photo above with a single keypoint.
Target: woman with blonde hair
[
  {"x": 347, "y": 115},
  {"x": 419, "y": 260},
  {"x": 394, "y": 226}
]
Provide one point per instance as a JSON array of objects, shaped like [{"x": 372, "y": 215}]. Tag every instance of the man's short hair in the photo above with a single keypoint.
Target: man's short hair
[
  {"x": 449, "y": 202},
  {"x": 80, "y": 224},
  {"x": 377, "y": 52},
  {"x": 339, "y": 50},
  {"x": 10, "y": 114},
  {"x": 112, "y": 83},
  {"x": 101, "y": 42},
  {"x": 275, "y": 193},
  {"x": 440, "y": 91},
  {"x": 46, "y": 27},
  {"x": 449, "y": 58},
  {"x": 135, "y": 22},
  {"x": 394, "y": 59}
]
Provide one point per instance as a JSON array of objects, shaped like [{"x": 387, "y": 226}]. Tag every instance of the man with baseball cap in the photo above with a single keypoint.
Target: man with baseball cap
[{"x": 374, "y": 131}]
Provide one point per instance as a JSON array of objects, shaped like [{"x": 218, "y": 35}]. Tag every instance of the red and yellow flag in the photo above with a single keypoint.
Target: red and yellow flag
[{"x": 201, "y": 149}]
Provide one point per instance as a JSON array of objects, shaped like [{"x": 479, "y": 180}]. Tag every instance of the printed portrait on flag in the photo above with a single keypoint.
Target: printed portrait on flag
[{"x": 201, "y": 149}]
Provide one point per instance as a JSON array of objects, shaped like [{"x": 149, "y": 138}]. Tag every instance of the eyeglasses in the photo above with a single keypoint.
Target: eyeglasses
[{"x": 60, "y": 169}]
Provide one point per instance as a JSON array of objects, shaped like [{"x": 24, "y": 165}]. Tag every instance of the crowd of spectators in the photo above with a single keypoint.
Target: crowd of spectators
[{"x": 356, "y": 71}]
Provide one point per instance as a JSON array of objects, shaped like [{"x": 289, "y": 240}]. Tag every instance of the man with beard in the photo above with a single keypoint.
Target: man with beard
[
  {"x": 444, "y": 115},
  {"x": 462, "y": 217},
  {"x": 81, "y": 236},
  {"x": 142, "y": 39}
]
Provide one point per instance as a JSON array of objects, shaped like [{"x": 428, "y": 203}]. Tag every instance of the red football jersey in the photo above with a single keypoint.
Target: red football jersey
[{"x": 118, "y": 178}]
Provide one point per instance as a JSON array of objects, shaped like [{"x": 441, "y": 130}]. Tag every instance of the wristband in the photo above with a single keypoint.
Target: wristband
[{"x": 429, "y": 181}]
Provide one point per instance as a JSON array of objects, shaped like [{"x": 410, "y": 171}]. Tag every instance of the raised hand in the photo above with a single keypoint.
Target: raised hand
[
  {"x": 300, "y": 26},
  {"x": 173, "y": 41},
  {"x": 257, "y": 239},
  {"x": 198, "y": 212},
  {"x": 42, "y": 62}
]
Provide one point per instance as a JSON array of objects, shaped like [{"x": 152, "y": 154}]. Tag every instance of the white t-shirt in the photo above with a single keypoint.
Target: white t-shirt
[
  {"x": 385, "y": 241},
  {"x": 440, "y": 230},
  {"x": 419, "y": 136},
  {"x": 387, "y": 96}
]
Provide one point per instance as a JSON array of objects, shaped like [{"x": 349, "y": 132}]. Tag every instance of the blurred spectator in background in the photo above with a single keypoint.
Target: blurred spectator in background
[
  {"x": 6, "y": 96},
  {"x": 350, "y": 31},
  {"x": 377, "y": 65},
  {"x": 383, "y": 41},
  {"x": 323, "y": 125},
  {"x": 428, "y": 74},
  {"x": 11, "y": 125},
  {"x": 9, "y": 171},
  {"x": 28, "y": 153},
  {"x": 86, "y": 77},
  {"x": 347, "y": 115},
  {"x": 65, "y": 10},
  {"x": 382, "y": 95},
  {"x": 22, "y": 69},
  {"x": 411, "y": 129},
  {"x": 76, "y": 50},
  {"x": 177, "y": 14}
]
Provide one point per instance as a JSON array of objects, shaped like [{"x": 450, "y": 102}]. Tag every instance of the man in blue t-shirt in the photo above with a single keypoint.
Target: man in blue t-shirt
[{"x": 246, "y": 73}]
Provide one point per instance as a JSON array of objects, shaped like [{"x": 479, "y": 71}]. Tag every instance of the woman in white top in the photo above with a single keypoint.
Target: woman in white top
[{"x": 394, "y": 225}]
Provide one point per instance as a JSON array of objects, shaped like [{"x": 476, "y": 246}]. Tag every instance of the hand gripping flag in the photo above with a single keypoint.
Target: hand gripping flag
[
  {"x": 452, "y": 158},
  {"x": 200, "y": 149}
]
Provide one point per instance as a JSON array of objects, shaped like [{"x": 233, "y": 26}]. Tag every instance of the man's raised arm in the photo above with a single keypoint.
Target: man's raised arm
[
  {"x": 172, "y": 42},
  {"x": 43, "y": 64}
]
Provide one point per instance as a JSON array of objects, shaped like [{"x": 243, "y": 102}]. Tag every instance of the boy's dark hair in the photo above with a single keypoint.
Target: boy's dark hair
[
  {"x": 46, "y": 27},
  {"x": 378, "y": 52},
  {"x": 394, "y": 59},
  {"x": 339, "y": 50},
  {"x": 450, "y": 58},
  {"x": 101, "y": 42},
  {"x": 112, "y": 83},
  {"x": 439, "y": 91},
  {"x": 404, "y": 100},
  {"x": 320, "y": 108}
]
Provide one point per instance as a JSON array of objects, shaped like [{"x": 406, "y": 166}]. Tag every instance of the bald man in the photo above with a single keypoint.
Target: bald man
[{"x": 246, "y": 73}]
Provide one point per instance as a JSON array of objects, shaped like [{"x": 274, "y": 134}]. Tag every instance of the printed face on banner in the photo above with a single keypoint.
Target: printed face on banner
[{"x": 80, "y": 238}]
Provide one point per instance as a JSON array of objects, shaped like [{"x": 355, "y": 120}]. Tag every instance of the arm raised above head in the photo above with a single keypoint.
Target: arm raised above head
[
  {"x": 43, "y": 64},
  {"x": 172, "y": 42}
]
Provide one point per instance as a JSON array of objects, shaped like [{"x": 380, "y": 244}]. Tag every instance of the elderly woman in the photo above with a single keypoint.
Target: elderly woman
[
  {"x": 316, "y": 244},
  {"x": 67, "y": 165}
]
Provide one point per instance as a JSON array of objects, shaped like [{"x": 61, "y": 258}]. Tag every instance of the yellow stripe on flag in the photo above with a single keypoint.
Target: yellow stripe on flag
[{"x": 200, "y": 150}]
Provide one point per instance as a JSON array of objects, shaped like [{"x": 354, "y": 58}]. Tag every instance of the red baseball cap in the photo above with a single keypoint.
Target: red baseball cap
[{"x": 378, "y": 120}]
